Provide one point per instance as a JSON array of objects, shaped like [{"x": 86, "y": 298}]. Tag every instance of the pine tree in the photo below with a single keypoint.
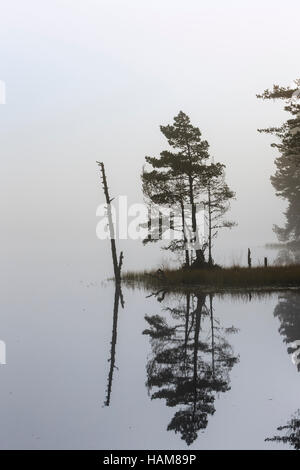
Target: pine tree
[
  {"x": 286, "y": 180},
  {"x": 178, "y": 176}
]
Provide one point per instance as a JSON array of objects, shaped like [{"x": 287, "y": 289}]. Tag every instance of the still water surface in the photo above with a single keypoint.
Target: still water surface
[{"x": 165, "y": 372}]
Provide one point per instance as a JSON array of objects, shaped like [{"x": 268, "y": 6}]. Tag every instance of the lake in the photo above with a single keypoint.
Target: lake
[{"x": 167, "y": 371}]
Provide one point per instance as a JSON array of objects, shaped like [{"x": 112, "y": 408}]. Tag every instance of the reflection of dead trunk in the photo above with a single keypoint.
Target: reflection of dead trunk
[
  {"x": 117, "y": 266},
  {"x": 118, "y": 297}
]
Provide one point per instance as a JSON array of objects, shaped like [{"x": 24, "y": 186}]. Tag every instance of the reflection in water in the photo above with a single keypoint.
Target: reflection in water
[
  {"x": 191, "y": 362},
  {"x": 288, "y": 313},
  {"x": 292, "y": 432},
  {"x": 118, "y": 299},
  {"x": 191, "y": 359}
]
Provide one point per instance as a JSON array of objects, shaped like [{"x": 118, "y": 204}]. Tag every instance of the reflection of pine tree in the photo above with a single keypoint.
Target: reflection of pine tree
[
  {"x": 292, "y": 432},
  {"x": 288, "y": 313},
  {"x": 190, "y": 363}
]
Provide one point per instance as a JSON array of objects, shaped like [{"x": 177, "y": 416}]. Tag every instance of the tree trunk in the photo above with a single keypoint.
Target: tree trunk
[
  {"x": 199, "y": 261},
  {"x": 187, "y": 258},
  {"x": 117, "y": 267}
]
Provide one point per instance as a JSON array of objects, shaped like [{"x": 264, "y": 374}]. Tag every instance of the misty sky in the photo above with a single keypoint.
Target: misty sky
[{"x": 93, "y": 80}]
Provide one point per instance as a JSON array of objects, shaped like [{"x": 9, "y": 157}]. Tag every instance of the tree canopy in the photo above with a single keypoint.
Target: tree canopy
[
  {"x": 185, "y": 176},
  {"x": 286, "y": 179}
]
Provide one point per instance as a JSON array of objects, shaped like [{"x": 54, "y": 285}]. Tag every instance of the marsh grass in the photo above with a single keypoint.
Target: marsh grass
[{"x": 236, "y": 277}]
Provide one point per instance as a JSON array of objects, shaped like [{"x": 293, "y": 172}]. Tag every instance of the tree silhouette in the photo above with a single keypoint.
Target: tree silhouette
[
  {"x": 180, "y": 178},
  {"x": 287, "y": 175}
]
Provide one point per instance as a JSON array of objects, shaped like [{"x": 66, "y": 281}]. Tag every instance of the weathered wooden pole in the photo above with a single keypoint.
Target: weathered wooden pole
[
  {"x": 266, "y": 262},
  {"x": 117, "y": 266},
  {"x": 249, "y": 258}
]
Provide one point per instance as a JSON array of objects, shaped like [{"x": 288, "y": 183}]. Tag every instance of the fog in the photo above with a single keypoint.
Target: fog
[{"x": 93, "y": 80}]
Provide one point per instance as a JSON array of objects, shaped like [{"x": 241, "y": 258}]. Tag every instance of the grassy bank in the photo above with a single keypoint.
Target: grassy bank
[{"x": 273, "y": 277}]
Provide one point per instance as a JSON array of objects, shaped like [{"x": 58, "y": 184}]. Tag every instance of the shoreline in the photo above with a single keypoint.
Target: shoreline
[
  {"x": 221, "y": 280},
  {"x": 214, "y": 290}
]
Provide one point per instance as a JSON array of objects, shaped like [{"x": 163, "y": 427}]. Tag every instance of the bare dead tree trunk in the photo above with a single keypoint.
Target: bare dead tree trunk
[{"x": 117, "y": 266}]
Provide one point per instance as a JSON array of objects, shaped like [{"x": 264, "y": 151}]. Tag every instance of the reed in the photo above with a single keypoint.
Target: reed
[{"x": 271, "y": 277}]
